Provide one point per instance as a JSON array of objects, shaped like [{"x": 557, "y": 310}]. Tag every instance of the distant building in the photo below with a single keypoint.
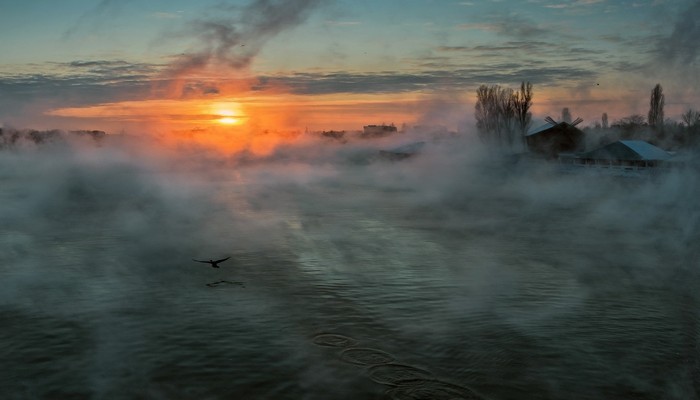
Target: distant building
[
  {"x": 378, "y": 130},
  {"x": 554, "y": 138}
]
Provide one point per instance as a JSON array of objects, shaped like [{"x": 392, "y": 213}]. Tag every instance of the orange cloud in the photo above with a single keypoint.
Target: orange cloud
[{"x": 263, "y": 112}]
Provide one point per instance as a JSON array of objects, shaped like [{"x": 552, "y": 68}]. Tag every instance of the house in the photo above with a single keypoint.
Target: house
[
  {"x": 553, "y": 138},
  {"x": 623, "y": 156},
  {"x": 626, "y": 153}
]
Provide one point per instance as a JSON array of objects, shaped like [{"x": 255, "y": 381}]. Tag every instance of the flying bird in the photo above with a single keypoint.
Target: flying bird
[{"x": 214, "y": 263}]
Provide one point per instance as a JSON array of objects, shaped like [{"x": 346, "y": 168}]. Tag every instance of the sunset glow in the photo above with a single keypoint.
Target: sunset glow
[{"x": 353, "y": 70}]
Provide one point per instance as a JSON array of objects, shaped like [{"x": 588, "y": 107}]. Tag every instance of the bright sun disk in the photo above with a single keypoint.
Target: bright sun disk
[{"x": 228, "y": 120}]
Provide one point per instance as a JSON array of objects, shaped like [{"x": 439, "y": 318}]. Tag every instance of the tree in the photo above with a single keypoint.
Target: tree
[
  {"x": 495, "y": 114},
  {"x": 656, "y": 107},
  {"x": 500, "y": 112},
  {"x": 523, "y": 102},
  {"x": 691, "y": 118},
  {"x": 486, "y": 110},
  {"x": 631, "y": 126},
  {"x": 604, "y": 119},
  {"x": 566, "y": 115},
  {"x": 635, "y": 120}
]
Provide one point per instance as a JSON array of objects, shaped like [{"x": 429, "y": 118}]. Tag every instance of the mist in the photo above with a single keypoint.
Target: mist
[{"x": 501, "y": 277}]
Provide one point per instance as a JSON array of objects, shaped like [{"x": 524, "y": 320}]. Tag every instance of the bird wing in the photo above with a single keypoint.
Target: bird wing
[
  {"x": 205, "y": 262},
  {"x": 223, "y": 259}
]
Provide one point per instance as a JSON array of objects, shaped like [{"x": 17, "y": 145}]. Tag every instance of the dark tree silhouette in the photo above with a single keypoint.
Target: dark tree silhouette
[
  {"x": 523, "y": 102},
  {"x": 691, "y": 118},
  {"x": 495, "y": 112},
  {"x": 501, "y": 111},
  {"x": 604, "y": 120},
  {"x": 656, "y": 107},
  {"x": 630, "y": 127}
]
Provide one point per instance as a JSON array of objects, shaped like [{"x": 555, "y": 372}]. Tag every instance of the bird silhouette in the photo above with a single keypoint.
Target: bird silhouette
[{"x": 214, "y": 263}]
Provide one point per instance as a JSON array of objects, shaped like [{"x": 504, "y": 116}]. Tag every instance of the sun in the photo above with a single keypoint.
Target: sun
[
  {"x": 228, "y": 113},
  {"x": 229, "y": 121}
]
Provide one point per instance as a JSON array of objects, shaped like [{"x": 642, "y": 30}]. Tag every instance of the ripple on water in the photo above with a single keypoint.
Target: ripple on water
[
  {"x": 394, "y": 374},
  {"x": 366, "y": 356},
  {"x": 219, "y": 283},
  {"x": 333, "y": 340},
  {"x": 427, "y": 389}
]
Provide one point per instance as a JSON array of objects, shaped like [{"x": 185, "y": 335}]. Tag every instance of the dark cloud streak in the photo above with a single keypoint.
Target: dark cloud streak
[
  {"x": 394, "y": 82},
  {"x": 236, "y": 35},
  {"x": 78, "y": 83}
]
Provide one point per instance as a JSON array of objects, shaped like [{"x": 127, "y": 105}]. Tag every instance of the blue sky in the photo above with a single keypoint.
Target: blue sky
[{"x": 593, "y": 56}]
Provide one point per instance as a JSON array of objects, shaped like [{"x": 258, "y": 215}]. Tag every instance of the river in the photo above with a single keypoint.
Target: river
[{"x": 420, "y": 279}]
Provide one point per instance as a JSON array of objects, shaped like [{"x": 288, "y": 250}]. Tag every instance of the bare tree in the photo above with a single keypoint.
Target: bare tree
[
  {"x": 656, "y": 107},
  {"x": 523, "y": 102},
  {"x": 508, "y": 113},
  {"x": 502, "y": 112},
  {"x": 486, "y": 111},
  {"x": 691, "y": 118},
  {"x": 566, "y": 115},
  {"x": 604, "y": 119},
  {"x": 631, "y": 126},
  {"x": 636, "y": 120},
  {"x": 495, "y": 114}
]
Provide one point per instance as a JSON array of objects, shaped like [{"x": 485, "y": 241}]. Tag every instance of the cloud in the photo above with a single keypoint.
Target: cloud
[
  {"x": 78, "y": 83},
  {"x": 576, "y": 3},
  {"x": 508, "y": 25},
  {"x": 479, "y": 26},
  {"x": 531, "y": 46},
  {"x": 92, "y": 19},
  {"x": 681, "y": 46},
  {"x": 435, "y": 80},
  {"x": 236, "y": 35},
  {"x": 343, "y": 23},
  {"x": 167, "y": 15}
]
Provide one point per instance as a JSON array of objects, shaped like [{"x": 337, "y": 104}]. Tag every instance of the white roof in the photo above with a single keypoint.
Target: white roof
[
  {"x": 628, "y": 150},
  {"x": 646, "y": 150}
]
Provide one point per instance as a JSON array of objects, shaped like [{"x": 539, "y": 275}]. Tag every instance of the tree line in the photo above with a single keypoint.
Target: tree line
[
  {"x": 12, "y": 137},
  {"x": 503, "y": 118},
  {"x": 654, "y": 128}
]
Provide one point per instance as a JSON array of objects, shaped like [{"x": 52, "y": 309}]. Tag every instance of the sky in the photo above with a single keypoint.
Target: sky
[{"x": 284, "y": 65}]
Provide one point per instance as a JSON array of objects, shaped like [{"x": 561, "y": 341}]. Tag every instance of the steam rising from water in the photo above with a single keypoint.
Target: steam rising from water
[
  {"x": 237, "y": 34},
  {"x": 503, "y": 277}
]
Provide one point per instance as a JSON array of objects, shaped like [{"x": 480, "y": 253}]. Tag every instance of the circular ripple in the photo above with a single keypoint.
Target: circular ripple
[
  {"x": 426, "y": 389},
  {"x": 333, "y": 340},
  {"x": 394, "y": 374},
  {"x": 366, "y": 356}
]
